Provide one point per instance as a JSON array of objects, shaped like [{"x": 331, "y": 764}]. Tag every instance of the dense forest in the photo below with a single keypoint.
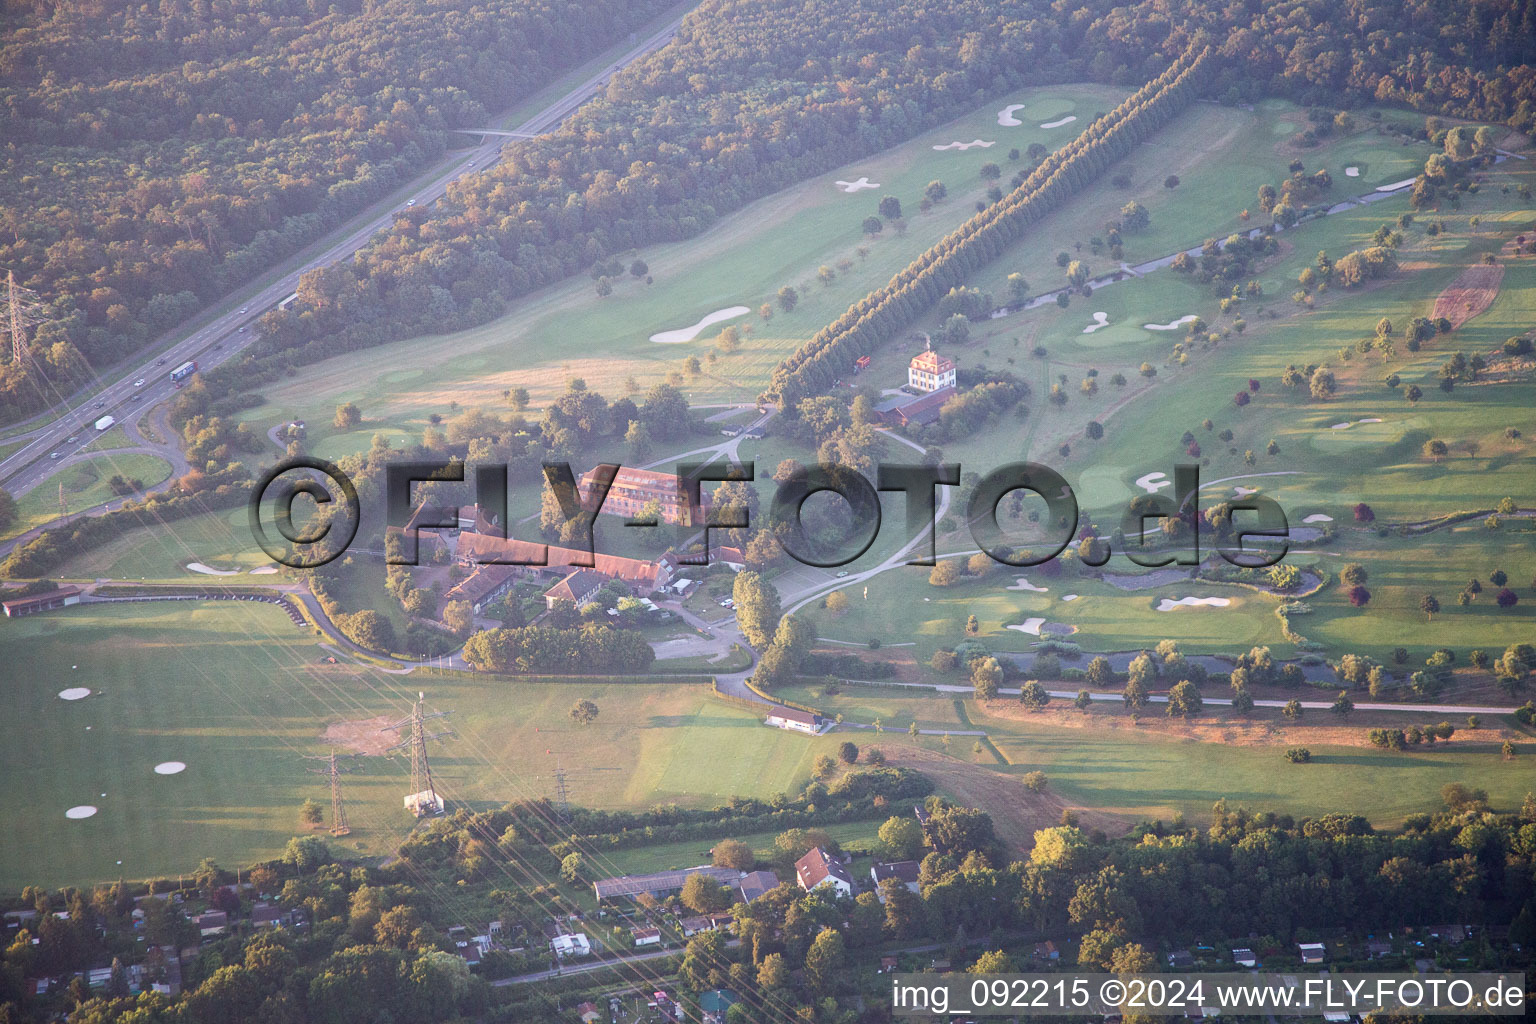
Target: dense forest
[
  {"x": 754, "y": 97},
  {"x": 156, "y": 155}
]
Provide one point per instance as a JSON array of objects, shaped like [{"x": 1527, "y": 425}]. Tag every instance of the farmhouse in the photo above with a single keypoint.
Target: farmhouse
[
  {"x": 795, "y": 720},
  {"x": 633, "y": 489},
  {"x": 904, "y": 871},
  {"x": 47, "y": 601},
  {"x": 930, "y": 371},
  {"x": 483, "y": 549},
  {"x": 818, "y": 867},
  {"x": 661, "y": 883},
  {"x": 483, "y": 587},
  {"x": 577, "y": 588},
  {"x": 921, "y": 411}
]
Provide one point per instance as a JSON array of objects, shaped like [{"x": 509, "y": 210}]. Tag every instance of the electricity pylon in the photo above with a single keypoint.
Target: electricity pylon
[
  {"x": 332, "y": 769},
  {"x": 423, "y": 798}
]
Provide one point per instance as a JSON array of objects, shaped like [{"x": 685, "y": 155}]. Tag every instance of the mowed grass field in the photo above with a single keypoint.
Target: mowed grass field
[
  {"x": 84, "y": 485},
  {"x": 240, "y": 696},
  {"x": 567, "y": 331}
]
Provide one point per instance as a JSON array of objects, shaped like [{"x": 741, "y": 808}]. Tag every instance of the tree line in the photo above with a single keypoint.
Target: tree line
[{"x": 927, "y": 280}]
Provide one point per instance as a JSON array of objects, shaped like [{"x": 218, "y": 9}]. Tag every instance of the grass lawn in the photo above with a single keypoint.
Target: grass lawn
[
  {"x": 853, "y": 835},
  {"x": 240, "y": 696},
  {"x": 110, "y": 440},
  {"x": 85, "y": 485},
  {"x": 221, "y": 539}
]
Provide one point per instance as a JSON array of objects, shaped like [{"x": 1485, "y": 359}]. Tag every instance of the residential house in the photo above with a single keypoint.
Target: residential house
[
  {"x": 905, "y": 871},
  {"x": 1180, "y": 960},
  {"x": 1311, "y": 952},
  {"x": 693, "y": 925},
  {"x": 713, "y": 1005},
  {"x": 646, "y": 936},
  {"x": 818, "y": 868},
  {"x": 930, "y": 371},
  {"x": 1376, "y": 949},
  {"x": 588, "y": 1012},
  {"x": 1244, "y": 958},
  {"x": 266, "y": 915}
]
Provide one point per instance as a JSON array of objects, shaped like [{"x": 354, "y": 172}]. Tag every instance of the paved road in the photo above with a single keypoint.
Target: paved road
[{"x": 228, "y": 334}]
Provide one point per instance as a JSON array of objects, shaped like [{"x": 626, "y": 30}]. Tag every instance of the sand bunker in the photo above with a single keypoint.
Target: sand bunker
[
  {"x": 854, "y": 186},
  {"x": 1351, "y": 172},
  {"x": 1239, "y": 491},
  {"x": 208, "y": 570},
  {"x": 1069, "y": 597},
  {"x": 265, "y": 570},
  {"x": 1057, "y": 124},
  {"x": 1318, "y": 517},
  {"x": 1099, "y": 320},
  {"x": 966, "y": 145},
  {"x": 1347, "y": 423},
  {"x": 83, "y": 811},
  {"x": 170, "y": 768},
  {"x": 1168, "y": 605},
  {"x": 689, "y": 333},
  {"x": 1396, "y": 185},
  {"x": 74, "y": 693},
  {"x": 1030, "y": 626},
  {"x": 1153, "y": 482},
  {"x": 1024, "y": 584},
  {"x": 1005, "y": 116},
  {"x": 1172, "y": 325}
]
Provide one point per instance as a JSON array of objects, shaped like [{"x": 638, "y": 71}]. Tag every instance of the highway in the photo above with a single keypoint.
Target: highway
[{"x": 49, "y": 445}]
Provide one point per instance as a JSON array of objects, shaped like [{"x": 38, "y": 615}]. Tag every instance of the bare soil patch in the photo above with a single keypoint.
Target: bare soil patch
[
  {"x": 1017, "y": 814},
  {"x": 361, "y": 736},
  {"x": 1265, "y": 727},
  {"x": 1470, "y": 294}
]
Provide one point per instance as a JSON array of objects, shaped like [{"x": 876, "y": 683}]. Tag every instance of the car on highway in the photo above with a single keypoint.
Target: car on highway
[
  {"x": 101, "y": 405},
  {"x": 54, "y": 455},
  {"x": 160, "y": 361},
  {"x": 242, "y": 330},
  {"x": 471, "y": 163},
  {"x": 244, "y": 309},
  {"x": 73, "y": 439},
  {"x": 410, "y": 202},
  {"x": 139, "y": 383},
  {"x": 137, "y": 397}
]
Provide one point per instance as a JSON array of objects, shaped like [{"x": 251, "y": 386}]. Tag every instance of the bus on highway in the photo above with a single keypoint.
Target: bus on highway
[{"x": 183, "y": 371}]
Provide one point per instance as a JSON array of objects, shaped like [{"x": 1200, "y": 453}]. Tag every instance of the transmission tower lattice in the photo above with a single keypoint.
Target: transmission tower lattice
[
  {"x": 332, "y": 769},
  {"x": 423, "y": 799}
]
